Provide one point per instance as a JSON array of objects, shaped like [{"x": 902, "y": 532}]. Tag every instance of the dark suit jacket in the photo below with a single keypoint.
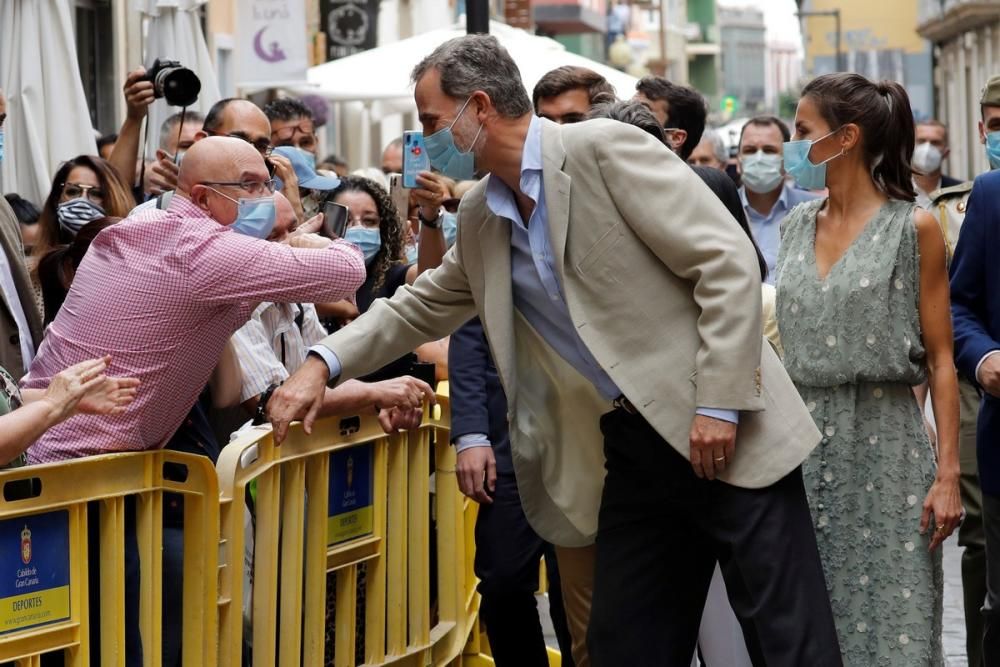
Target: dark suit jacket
[
  {"x": 975, "y": 309},
  {"x": 10, "y": 342},
  {"x": 478, "y": 403},
  {"x": 948, "y": 181}
]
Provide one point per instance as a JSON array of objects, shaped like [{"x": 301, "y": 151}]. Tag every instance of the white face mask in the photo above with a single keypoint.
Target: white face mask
[
  {"x": 927, "y": 157},
  {"x": 762, "y": 172}
]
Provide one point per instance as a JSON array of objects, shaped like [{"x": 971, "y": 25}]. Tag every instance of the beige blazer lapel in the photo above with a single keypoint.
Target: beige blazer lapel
[
  {"x": 497, "y": 298},
  {"x": 557, "y": 189}
]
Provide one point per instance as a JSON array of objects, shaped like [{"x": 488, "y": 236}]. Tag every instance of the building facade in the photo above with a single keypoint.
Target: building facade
[
  {"x": 966, "y": 38},
  {"x": 744, "y": 56},
  {"x": 878, "y": 39},
  {"x": 783, "y": 74}
]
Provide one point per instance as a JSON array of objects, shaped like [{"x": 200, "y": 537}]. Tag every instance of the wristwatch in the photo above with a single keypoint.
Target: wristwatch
[{"x": 430, "y": 224}]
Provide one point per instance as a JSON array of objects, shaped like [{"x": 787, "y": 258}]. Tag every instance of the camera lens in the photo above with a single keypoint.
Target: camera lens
[{"x": 178, "y": 85}]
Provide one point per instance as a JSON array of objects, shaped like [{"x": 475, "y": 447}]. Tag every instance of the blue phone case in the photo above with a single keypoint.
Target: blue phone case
[{"x": 415, "y": 158}]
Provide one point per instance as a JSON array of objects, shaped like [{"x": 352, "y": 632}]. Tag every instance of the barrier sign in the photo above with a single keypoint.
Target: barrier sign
[
  {"x": 350, "y": 505},
  {"x": 34, "y": 571}
]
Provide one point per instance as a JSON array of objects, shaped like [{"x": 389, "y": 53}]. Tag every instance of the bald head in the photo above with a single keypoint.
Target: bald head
[
  {"x": 285, "y": 219},
  {"x": 220, "y": 159},
  {"x": 238, "y": 118}
]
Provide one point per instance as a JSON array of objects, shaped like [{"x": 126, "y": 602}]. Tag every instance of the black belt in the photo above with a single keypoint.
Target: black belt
[{"x": 622, "y": 403}]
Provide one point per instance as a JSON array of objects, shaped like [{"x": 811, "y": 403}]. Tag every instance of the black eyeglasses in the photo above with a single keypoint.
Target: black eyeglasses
[
  {"x": 262, "y": 145},
  {"x": 252, "y": 187}
]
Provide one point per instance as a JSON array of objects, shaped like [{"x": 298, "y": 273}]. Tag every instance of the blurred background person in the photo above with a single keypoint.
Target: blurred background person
[
  {"x": 292, "y": 124},
  {"x": 177, "y": 134},
  {"x": 27, "y": 218},
  {"x": 20, "y": 308},
  {"x": 710, "y": 152},
  {"x": 313, "y": 188},
  {"x": 680, "y": 110},
  {"x": 336, "y": 164},
  {"x": 767, "y": 196},
  {"x": 83, "y": 189},
  {"x": 930, "y": 152},
  {"x": 566, "y": 94},
  {"x": 392, "y": 157},
  {"x": 106, "y": 144}
]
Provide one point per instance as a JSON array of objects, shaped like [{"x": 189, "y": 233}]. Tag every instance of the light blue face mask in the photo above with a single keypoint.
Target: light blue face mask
[
  {"x": 368, "y": 240},
  {"x": 445, "y": 156},
  {"x": 411, "y": 254},
  {"x": 1, "y": 144},
  {"x": 993, "y": 149},
  {"x": 806, "y": 174},
  {"x": 449, "y": 226},
  {"x": 254, "y": 217}
]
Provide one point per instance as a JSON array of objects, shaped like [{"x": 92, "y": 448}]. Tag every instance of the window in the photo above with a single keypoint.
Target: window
[{"x": 94, "y": 38}]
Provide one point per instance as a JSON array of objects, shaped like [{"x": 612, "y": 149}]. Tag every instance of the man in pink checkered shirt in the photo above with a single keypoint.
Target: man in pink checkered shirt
[{"x": 163, "y": 291}]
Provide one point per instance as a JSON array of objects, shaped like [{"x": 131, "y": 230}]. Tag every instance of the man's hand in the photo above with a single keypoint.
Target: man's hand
[
  {"x": 431, "y": 194},
  {"x": 400, "y": 419},
  {"x": 162, "y": 175},
  {"x": 139, "y": 94},
  {"x": 476, "y": 469},
  {"x": 289, "y": 182},
  {"x": 989, "y": 375},
  {"x": 402, "y": 392},
  {"x": 302, "y": 393},
  {"x": 713, "y": 442},
  {"x": 309, "y": 241}
]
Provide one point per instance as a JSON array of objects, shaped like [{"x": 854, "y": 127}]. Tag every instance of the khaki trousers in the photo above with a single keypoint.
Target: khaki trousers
[{"x": 576, "y": 570}]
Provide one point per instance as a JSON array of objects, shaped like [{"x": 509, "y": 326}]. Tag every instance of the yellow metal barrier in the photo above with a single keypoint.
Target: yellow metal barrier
[
  {"x": 44, "y": 596},
  {"x": 350, "y": 501}
]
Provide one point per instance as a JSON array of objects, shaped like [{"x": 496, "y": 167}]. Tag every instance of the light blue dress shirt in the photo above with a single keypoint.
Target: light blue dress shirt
[
  {"x": 536, "y": 290},
  {"x": 767, "y": 228}
]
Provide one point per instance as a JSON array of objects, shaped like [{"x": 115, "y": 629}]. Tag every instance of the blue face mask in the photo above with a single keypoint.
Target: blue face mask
[
  {"x": 411, "y": 254},
  {"x": 449, "y": 226},
  {"x": 254, "y": 217},
  {"x": 1, "y": 144},
  {"x": 993, "y": 149},
  {"x": 368, "y": 240},
  {"x": 806, "y": 174},
  {"x": 445, "y": 156}
]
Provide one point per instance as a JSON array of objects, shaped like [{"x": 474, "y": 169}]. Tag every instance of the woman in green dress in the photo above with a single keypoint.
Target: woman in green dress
[
  {"x": 83, "y": 388},
  {"x": 864, "y": 317}
]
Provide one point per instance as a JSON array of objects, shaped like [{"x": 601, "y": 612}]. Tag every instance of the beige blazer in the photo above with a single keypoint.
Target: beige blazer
[
  {"x": 10, "y": 345},
  {"x": 663, "y": 288}
]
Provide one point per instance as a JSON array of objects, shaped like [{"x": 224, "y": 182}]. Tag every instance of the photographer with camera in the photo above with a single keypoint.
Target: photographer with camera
[{"x": 231, "y": 117}]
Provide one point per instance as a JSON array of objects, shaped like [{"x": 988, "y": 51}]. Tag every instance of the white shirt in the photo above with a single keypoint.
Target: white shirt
[{"x": 14, "y": 303}]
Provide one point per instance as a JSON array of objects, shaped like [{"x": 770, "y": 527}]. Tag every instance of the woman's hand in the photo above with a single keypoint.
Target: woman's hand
[
  {"x": 945, "y": 504},
  {"x": 85, "y": 388}
]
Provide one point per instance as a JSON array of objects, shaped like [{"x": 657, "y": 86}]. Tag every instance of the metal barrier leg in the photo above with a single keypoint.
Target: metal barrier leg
[{"x": 317, "y": 480}]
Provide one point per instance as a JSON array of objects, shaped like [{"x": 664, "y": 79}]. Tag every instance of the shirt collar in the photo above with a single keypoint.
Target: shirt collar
[
  {"x": 185, "y": 208},
  {"x": 498, "y": 196},
  {"x": 782, "y": 199}
]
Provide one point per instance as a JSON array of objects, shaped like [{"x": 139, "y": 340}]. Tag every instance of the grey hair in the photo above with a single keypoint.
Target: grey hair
[
  {"x": 718, "y": 146},
  {"x": 478, "y": 62},
  {"x": 169, "y": 126},
  {"x": 632, "y": 113}
]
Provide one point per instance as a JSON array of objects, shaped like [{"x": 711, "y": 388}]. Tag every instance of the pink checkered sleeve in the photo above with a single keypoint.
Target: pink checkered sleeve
[{"x": 228, "y": 267}]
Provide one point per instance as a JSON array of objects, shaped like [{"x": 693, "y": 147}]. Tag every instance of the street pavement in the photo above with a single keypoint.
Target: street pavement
[{"x": 954, "y": 623}]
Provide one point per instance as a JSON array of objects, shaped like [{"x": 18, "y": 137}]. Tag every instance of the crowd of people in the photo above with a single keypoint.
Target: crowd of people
[{"x": 715, "y": 389}]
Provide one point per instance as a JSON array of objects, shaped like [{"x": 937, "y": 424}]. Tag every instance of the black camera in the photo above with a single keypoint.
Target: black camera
[{"x": 173, "y": 82}]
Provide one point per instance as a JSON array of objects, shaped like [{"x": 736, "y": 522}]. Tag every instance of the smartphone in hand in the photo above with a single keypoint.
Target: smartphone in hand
[
  {"x": 335, "y": 217},
  {"x": 400, "y": 196},
  {"x": 415, "y": 158}
]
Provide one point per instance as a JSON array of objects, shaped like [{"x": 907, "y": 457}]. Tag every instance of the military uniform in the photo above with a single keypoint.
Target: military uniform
[{"x": 948, "y": 206}]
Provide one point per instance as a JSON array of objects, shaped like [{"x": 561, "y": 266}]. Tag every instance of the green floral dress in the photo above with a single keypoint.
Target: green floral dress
[
  {"x": 853, "y": 347},
  {"x": 10, "y": 400}
]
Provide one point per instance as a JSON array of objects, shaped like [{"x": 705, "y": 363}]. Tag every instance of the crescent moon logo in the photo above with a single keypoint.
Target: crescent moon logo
[{"x": 276, "y": 55}]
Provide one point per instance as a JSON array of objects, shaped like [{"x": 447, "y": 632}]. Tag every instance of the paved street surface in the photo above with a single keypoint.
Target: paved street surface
[{"x": 954, "y": 623}]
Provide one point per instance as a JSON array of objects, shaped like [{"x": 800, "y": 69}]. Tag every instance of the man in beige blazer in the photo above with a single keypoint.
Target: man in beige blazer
[{"x": 627, "y": 305}]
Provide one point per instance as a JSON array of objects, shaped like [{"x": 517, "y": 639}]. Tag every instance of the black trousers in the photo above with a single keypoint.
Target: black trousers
[
  {"x": 508, "y": 552},
  {"x": 661, "y": 531},
  {"x": 991, "y": 606}
]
